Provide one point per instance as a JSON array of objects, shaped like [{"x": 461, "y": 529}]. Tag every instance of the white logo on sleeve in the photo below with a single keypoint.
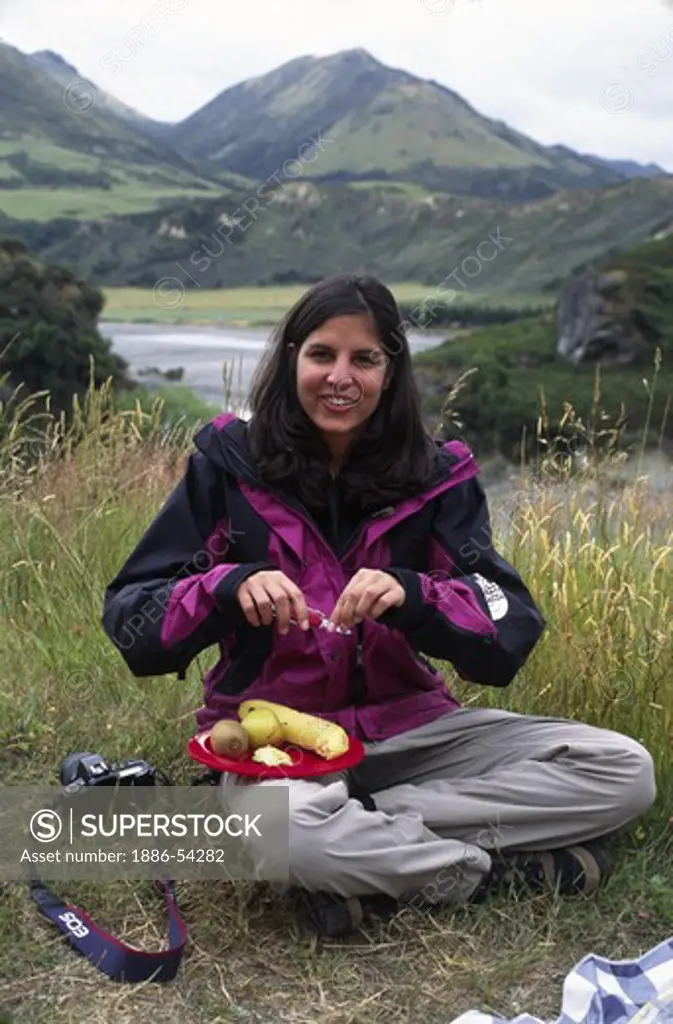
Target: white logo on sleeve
[{"x": 495, "y": 597}]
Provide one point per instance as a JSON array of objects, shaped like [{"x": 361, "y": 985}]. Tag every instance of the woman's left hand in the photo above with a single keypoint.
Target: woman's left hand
[{"x": 369, "y": 594}]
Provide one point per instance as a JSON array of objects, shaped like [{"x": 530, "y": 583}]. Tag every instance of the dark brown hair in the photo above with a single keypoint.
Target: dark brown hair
[{"x": 392, "y": 458}]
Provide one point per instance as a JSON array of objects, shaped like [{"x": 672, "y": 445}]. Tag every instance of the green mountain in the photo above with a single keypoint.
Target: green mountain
[
  {"x": 380, "y": 123},
  {"x": 630, "y": 168},
  {"x": 65, "y": 75},
  {"x": 402, "y": 178},
  {"x": 306, "y": 231},
  {"x": 70, "y": 149},
  {"x": 63, "y": 143},
  {"x": 37, "y": 108}
]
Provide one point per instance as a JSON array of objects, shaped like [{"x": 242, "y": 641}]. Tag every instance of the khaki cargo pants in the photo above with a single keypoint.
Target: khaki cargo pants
[{"x": 447, "y": 792}]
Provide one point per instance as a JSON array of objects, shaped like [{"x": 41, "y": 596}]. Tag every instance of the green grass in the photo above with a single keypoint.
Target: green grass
[
  {"x": 598, "y": 559},
  {"x": 7, "y": 172},
  {"x": 407, "y": 188},
  {"x": 177, "y": 402},
  {"x": 244, "y": 305},
  {"x": 135, "y": 186},
  {"x": 48, "y": 153},
  {"x": 505, "y": 369},
  {"x": 510, "y": 371},
  {"x": 44, "y": 204},
  {"x": 260, "y": 305}
]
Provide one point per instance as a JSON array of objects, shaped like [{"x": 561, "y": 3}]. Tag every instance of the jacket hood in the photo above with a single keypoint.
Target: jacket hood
[{"x": 224, "y": 440}]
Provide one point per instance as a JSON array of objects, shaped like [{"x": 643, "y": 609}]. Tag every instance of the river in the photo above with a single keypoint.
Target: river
[{"x": 204, "y": 352}]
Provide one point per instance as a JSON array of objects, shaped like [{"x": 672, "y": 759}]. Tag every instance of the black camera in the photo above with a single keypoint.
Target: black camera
[{"x": 84, "y": 769}]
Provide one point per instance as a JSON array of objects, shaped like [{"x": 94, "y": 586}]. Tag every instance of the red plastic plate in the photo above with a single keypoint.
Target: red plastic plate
[{"x": 305, "y": 764}]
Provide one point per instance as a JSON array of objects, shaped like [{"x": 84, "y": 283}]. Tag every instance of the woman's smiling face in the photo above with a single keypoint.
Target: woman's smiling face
[{"x": 341, "y": 374}]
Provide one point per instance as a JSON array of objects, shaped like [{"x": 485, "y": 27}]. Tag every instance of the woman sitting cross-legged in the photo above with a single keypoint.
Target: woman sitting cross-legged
[{"x": 332, "y": 495}]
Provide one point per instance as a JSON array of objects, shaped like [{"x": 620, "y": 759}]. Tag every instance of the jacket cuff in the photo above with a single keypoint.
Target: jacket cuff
[
  {"x": 412, "y": 612},
  {"x": 225, "y": 590}
]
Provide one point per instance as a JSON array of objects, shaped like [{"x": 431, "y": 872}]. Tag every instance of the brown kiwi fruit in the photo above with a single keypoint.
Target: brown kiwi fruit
[{"x": 229, "y": 739}]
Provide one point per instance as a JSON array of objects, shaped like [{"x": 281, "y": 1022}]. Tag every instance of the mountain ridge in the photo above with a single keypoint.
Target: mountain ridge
[
  {"x": 57, "y": 65},
  {"x": 631, "y": 168},
  {"x": 65, "y": 74},
  {"x": 73, "y": 119},
  {"x": 360, "y": 60},
  {"x": 86, "y": 154},
  {"x": 64, "y": 148},
  {"x": 386, "y": 123}
]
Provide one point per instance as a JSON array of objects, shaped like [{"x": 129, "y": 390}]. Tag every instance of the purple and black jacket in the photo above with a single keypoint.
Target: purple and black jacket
[{"x": 176, "y": 594}]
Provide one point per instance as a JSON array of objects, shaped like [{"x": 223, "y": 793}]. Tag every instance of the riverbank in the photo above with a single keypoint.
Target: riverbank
[{"x": 218, "y": 360}]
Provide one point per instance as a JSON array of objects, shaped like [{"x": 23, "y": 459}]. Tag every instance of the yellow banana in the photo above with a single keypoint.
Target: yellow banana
[{"x": 326, "y": 738}]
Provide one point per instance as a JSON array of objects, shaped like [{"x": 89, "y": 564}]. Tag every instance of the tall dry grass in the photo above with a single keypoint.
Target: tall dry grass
[{"x": 75, "y": 498}]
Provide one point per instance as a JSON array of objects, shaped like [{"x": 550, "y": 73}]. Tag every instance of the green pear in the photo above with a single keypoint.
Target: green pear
[{"x": 263, "y": 728}]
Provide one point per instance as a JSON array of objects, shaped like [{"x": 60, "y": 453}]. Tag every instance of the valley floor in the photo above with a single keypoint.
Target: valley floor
[{"x": 254, "y": 306}]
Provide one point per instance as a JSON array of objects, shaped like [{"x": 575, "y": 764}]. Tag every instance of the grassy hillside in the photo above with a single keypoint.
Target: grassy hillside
[
  {"x": 377, "y": 122},
  {"x": 518, "y": 372},
  {"x": 304, "y": 232},
  {"x": 34, "y": 105},
  {"x": 64, "y": 74},
  {"x": 69, "y": 149},
  {"x": 66, "y": 151},
  {"x": 46, "y": 204}
]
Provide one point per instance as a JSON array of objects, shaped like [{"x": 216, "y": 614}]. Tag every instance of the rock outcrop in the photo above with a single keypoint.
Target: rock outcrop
[{"x": 595, "y": 320}]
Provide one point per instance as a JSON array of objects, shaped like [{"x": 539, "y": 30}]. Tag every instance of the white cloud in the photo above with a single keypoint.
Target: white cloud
[{"x": 552, "y": 71}]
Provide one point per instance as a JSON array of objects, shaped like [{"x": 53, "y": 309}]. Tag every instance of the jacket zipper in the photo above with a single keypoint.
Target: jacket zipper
[
  {"x": 358, "y": 679},
  {"x": 357, "y": 686}
]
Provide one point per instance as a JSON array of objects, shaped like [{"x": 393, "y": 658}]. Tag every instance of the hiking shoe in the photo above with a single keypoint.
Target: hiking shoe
[
  {"x": 571, "y": 871},
  {"x": 379, "y": 907},
  {"x": 333, "y": 915}
]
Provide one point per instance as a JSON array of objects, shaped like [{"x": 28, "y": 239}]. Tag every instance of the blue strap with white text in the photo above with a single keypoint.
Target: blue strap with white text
[{"x": 119, "y": 961}]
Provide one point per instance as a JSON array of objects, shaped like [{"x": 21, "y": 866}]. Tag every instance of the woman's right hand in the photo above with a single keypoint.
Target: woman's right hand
[{"x": 271, "y": 589}]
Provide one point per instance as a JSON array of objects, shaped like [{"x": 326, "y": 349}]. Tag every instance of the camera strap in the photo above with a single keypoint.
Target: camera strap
[
  {"x": 117, "y": 959},
  {"x": 111, "y": 956}
]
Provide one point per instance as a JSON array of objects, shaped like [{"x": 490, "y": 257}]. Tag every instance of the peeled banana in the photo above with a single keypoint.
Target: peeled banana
[
  {"x": 271, "y": 755},
  {"x": 325, "y": 738}
]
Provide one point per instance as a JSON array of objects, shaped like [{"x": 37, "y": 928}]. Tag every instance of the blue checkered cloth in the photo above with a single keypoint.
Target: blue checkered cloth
[{"x": 600, "y": 991}]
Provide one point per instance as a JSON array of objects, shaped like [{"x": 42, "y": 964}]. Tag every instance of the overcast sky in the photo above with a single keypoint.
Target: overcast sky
[{"x": 596, "y": 75}]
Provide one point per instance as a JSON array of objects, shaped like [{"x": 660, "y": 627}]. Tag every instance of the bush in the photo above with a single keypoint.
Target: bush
[
  {"x": 429, "y": 316},
  {"x": 175, "y": 404},
  {"x": 518, "y": 379},
  {"x": 49, "y": 339}
]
